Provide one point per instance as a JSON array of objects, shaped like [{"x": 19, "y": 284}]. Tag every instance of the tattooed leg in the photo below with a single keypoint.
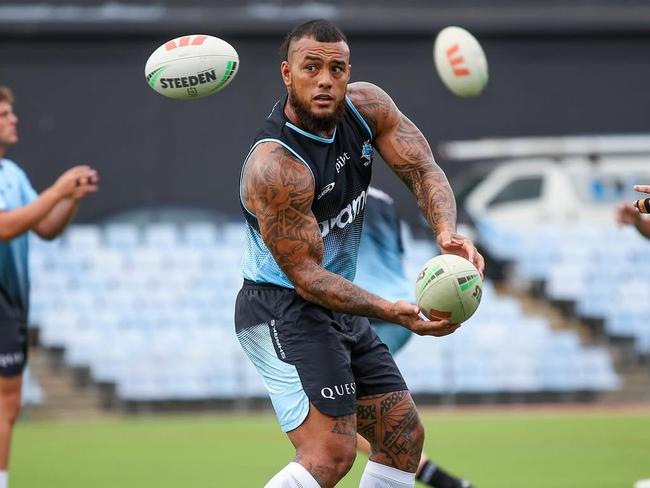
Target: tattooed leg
[
  {"x": 325, "y": 446},
  {"x": 391, "y": 425}
]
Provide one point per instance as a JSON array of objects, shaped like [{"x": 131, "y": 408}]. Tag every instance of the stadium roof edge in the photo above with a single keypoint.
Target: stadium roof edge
[
  {"x": 267, "y": 19},
  {"x": 593, "y": 145}
]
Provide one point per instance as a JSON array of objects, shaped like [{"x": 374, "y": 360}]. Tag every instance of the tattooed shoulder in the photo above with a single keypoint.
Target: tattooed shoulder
[
  {"x": 373, "y": 103},
  {"x": 273, "y": 174}
]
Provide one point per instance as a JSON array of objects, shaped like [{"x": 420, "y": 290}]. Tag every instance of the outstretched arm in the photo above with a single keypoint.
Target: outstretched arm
[
  {"x": 279, "y": 190},
  {"x": 406, "y": 150},
  {"x": 53, "y": 210},
  {"x": 16, "y": 222}
]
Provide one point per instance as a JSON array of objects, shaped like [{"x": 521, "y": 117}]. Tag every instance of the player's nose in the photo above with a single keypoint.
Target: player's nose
[{"x": 325, "y": 79}]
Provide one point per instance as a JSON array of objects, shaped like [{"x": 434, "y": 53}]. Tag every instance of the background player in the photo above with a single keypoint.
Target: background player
[
  {"x": 298, "y": 316},
  {"x": 22, "y": 210},
  {"x": 380, "y": 270}
]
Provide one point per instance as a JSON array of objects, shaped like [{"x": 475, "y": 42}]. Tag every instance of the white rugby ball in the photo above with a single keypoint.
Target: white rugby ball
[
  {"x": 448, "y": 287},
  {"x": 460, "y": 62},
  {"x": 192, "y": 66}
]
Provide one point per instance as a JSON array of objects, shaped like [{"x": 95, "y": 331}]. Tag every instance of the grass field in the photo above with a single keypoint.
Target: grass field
[{"x": 493, "y": 449}]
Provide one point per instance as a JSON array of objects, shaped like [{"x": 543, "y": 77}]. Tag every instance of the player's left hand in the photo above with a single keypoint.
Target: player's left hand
[
  {"x": 455, "y": 243},
  {"x": 642, "y": 188}
]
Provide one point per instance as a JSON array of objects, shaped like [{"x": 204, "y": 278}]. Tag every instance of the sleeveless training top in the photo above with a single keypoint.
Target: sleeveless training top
[{"x": 342, "y": 167}]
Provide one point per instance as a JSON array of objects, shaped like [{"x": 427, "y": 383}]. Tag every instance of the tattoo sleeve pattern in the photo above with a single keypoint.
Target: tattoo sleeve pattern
[
  {"x": 280, "y": 190},
  {"x": 405, "y": 149},
  {"x": 390, "y": 423}
]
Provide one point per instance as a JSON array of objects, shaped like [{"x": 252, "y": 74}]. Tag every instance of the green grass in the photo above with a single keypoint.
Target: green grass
[{"x": 494, "y": 450}]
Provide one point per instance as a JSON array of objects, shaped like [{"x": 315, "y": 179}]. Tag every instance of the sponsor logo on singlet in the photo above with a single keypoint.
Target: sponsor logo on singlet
[
  {"x": 346, "y": 216},
  {"x": 326, "y": 190}
]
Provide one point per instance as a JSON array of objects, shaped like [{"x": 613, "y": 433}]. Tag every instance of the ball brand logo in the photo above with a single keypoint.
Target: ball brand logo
[
  {"x": 189, "y": 81},
  {"x": 338, "y": 390},
  {"x": 184, "y": 41},
  {"x": 456, "y": 60}
]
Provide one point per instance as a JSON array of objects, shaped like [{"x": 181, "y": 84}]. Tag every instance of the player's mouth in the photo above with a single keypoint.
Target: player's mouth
[{"x": 323, "y": 100}]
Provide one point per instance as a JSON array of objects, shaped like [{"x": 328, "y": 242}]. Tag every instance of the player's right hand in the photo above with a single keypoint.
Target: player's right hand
[
  {"x": 408, "y": 315},
  {"x": 76, "y": 182},
  {"x": 626, "y": 214}
]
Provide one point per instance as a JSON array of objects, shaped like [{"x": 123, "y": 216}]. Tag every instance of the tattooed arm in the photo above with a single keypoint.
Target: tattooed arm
[
  {"x": 407, "y": 152},
  {"x": 279, "y": 190}
]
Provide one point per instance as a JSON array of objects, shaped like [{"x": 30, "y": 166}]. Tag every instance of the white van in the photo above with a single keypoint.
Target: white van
[{"x": 565, "y": 185}]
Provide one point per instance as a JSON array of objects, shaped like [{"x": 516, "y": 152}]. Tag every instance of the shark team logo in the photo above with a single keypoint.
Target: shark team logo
[{"x": 366, "y": 153}]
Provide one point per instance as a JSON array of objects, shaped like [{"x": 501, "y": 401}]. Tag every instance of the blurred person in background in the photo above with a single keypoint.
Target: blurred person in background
[
  {"x": 628, "y": 214},
  {"x": 380, "y": 270},
  {"x": 23, "y": 210},
  {"x": 298, "y": 316}
]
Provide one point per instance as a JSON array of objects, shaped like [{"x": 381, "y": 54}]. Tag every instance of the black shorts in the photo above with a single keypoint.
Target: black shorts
[
  {"x": 13, "y": 346},
  {"x": 307, "y": 353}
]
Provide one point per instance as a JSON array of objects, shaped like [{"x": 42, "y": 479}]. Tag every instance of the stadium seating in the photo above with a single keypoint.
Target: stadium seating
[
  {"x": 150, "y": 310},
  {"x": 600, "y": 268}
]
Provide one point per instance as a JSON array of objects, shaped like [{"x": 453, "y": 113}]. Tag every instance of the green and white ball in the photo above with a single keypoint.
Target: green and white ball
[
  {"x": 449, "y": 287},
  {"x": 191, "y": 67}
]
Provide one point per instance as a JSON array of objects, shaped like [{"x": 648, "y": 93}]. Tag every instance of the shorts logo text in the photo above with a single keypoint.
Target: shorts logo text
[
  {"x": 276, "y": 338},
  {"x": 338, "y": 390}
]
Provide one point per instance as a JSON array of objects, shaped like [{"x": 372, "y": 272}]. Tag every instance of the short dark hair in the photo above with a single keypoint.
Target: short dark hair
[
  {"x": 6, "y": 95},
  {"x": 321, "y": 30}
]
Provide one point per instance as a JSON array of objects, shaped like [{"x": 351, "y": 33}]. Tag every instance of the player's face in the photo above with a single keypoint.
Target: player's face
[
  {"x": 317, "y": 76},
  {"x": 8, "y": 125}
]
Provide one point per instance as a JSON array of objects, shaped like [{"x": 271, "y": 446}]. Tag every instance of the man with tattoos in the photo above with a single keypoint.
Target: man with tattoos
[
  {"x": 298, "y": 316},
  {"x": 380, "y": 270}
]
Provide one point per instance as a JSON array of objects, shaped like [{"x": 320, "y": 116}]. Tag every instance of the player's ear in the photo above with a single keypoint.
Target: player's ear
[{"x": 285, "y": 70}]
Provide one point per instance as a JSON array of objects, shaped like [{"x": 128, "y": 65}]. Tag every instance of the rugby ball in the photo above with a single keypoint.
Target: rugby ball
[
  {"x": 192, "y": 66},
  {"x": 448, "y": 287},
  {"x": 460, "y": 62}
]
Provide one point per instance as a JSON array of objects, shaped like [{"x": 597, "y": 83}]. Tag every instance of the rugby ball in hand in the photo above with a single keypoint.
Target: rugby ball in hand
[
  {"x": 192, "y": 66},
  {"x": 450, "y": 288},
  {"x": 460, "y": 62}
]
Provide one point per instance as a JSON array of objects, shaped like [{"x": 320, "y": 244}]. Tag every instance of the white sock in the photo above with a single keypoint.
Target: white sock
[
  {"x": 380, "y": 476},
  {"x": 294, "y": 475},
  {"x": 4, "y": 478}
]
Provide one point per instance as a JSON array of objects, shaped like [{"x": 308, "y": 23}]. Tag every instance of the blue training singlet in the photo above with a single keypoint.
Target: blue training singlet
[
  {"x": 15, "y": 191},
  {"x": 342, "y": 167},
  {"x": 381, "y": 263}
]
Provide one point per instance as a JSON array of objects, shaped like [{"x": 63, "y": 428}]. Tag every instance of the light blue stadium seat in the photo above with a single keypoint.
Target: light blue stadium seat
[
  {"x": 161, "y": 235},
  {"x": 122, "y": 236},
  {"x": 200, "y": 234},
  {"x": 82, "y": 237}
]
